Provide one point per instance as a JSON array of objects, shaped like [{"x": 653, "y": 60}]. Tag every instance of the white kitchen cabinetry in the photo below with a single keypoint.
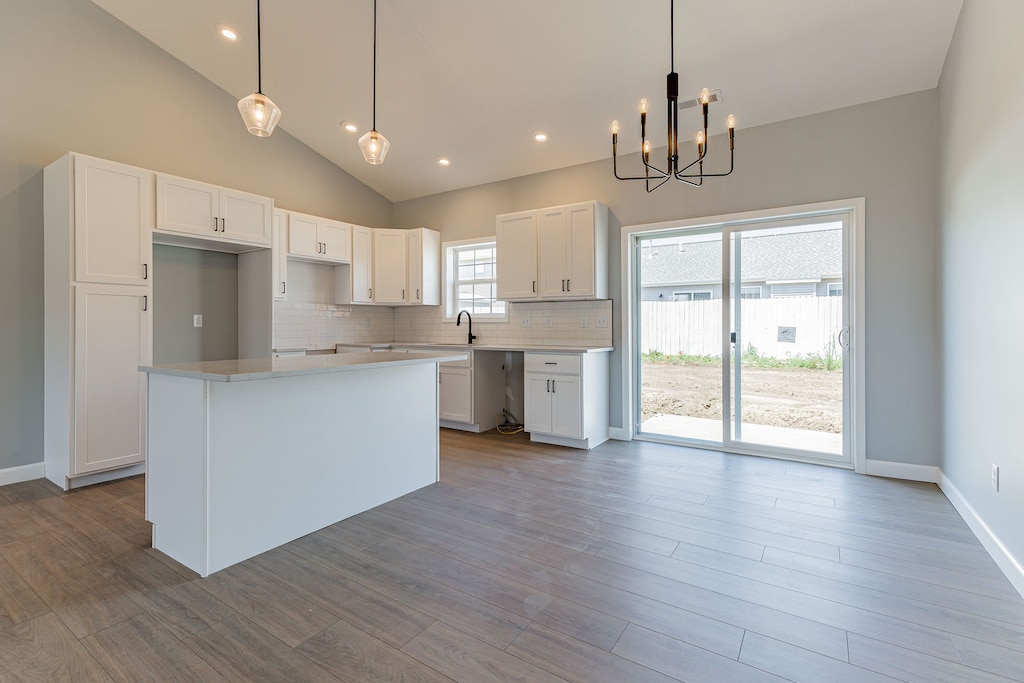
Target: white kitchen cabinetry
[
  {"x": 424, "y": 257},
  {"x": 455, "y": 388},
  {"x": 516, "y": 244},
  {"x": 567, "y": 398},
  {"x": 113, "y": 219},
  {"x": 279, "y": 254},
  {"x": 113, "y": 329},
  {"x": 566, "y": 257},
  {"x": 362, "y": 265},
  {"x": 98, "y": 318},
  {"x": 215, "y": 214},
  {"x": 318, "y": 239},
  {"x": 390, "y": 266}
]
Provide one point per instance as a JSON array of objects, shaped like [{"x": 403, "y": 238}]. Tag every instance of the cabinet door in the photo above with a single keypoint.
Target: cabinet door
[
  {"x": 187, "y": 206},
  {"x": 456, "y": 394},
  {"x": 112, "y": 339},
  {"x": 516, "y": 240},
  {"x": 245, "y": 217},
  {"x": 302, "y": 237},
  {"x": 279, "y": 256},
  {"x": 581, "y": 256},
  {"x": 335, "y": 240},
  {"x": 414, "y": 251},
  {"x": 389, "y": 265},
  {"x": 553, "y": 252},
  {"x": 538, "y": 403},
  {"x": 566, "y": 411},
  {"x": 362, "y": 255},
  {"x": 114, "y": 215}
]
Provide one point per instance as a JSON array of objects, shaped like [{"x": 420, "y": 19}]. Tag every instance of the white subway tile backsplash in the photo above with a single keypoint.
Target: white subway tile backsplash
[{"x": 321, "y": 326}]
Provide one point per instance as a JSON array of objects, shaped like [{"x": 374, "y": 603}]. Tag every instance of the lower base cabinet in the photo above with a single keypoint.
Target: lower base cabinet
[
  {"x": 455, "y": 388},
  {"x": 567, "y": 398}
]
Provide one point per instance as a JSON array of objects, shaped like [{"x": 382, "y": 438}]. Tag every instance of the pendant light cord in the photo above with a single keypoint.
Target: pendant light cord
[
  {"x": 374, "y": 64},
  {"x": 259, "y": 52},
  {"x": 671, "y": 32}
]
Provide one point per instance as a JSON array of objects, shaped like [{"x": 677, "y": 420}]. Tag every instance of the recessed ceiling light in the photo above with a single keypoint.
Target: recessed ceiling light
[
  {"x": 540, "y": 136},
  {"x": 350, "y": 126},
  {"x": 227, "y": 32},
  {"x": 444, "y": 161}
]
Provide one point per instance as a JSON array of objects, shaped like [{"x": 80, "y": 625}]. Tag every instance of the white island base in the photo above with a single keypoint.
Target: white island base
[{"x": 242, "y": 463}]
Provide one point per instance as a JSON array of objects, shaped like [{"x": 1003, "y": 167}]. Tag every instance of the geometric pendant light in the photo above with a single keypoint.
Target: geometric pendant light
[
  {"x": 258, "y": 111},
  {"x": 373, "y": 145}
]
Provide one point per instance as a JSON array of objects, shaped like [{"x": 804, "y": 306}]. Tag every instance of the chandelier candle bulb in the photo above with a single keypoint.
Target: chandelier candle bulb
[{"x": 705, "y": 96}]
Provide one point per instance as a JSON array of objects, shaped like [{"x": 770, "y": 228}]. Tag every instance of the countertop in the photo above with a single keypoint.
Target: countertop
[
  {"x": 265, "y": 368},
  {"x": 379, "y": 348}
]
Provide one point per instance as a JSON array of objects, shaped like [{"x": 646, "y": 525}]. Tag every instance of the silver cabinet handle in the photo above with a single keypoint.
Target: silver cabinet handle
[
  {"x": 403, "y": 294},
  {"x": 417, "y": 294},
  {"x": 145, "y": 302},
  {"x": 215, "y": 219},
  {"x": 145, "y": 271},
  {"x": 563, "y": 285},
  {"x": 371, "y": 292},
  {"x": 568, "y": 285},
  {"x": 534, "y": 286},
  {"x": 549, "y": 386},
  {"x": 553, "y": 385},
  {"x": 284, "y": 287},
  {"x": 325, "y": 248},
  {"x": 223, "y": 224}
]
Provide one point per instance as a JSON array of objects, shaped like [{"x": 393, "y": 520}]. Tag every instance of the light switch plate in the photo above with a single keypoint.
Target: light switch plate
[
  {"x": 525, "y": 322},
  {"x": 583, "y": 321},
  {"x": 197, "y": 320},
  {"x": 602, "y": 321}
]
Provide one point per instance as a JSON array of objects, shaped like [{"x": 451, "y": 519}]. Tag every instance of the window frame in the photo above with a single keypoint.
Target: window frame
[
  {"x": 450, "y": 281},
  {"x": 829, "y": 288}
]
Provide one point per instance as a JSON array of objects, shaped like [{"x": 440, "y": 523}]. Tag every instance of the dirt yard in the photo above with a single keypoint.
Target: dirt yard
[{"x": 790, "y": 397}]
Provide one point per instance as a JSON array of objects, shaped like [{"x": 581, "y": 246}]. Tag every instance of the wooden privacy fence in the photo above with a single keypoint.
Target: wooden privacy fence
[{"x": 806, "y": 325}]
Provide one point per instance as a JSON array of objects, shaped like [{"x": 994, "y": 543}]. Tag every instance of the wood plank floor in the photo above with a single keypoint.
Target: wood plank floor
[{"x": 633, "y": 562}]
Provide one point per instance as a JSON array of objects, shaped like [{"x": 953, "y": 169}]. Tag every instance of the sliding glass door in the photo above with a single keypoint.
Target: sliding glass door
[{"x": 742, "y": 337}]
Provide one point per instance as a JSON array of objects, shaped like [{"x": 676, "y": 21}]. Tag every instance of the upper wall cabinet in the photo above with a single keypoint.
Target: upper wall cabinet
[
  {"x": 516, "y": 241},
  {"x": 112, "y": 205},
  {"x": 318, "y": 239},
  {"x": 218, "y": 214},
  {"x": 553, "y": 254},
  {"x": 390, "y": 266},
  {"x": 279, "y": 255},
  {"x": 424, "y": 249}
]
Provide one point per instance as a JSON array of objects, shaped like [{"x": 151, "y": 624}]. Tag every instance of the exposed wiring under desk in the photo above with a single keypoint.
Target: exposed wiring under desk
[{"x": 511, "y": 425}]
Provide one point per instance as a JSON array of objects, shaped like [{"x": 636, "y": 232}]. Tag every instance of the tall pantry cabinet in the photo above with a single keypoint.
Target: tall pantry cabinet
[{"x": 97, "y": 289}]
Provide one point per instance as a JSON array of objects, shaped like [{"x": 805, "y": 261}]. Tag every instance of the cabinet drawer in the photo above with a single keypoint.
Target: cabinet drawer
[{"x": 565, "y": 364}]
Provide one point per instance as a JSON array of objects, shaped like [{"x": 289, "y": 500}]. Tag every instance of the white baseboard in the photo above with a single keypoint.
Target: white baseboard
[
  {"x": 14, "y": 475},
  {"x": 1010, "y": 565},
  {"x": 619, "y": 434},
  {"x": 902, "y": 470}
]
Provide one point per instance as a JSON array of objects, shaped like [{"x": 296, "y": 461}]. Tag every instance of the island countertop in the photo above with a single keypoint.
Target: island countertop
[{"x": 245, "y": 369}]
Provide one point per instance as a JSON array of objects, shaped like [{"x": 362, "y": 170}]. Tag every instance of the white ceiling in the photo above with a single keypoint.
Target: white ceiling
[{"x": 474, "y": 79}]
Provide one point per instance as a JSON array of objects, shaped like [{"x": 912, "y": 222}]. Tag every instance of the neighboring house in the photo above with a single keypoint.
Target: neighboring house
[{"x": 797, "y": 262}]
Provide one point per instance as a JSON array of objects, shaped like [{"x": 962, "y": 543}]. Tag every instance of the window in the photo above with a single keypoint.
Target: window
[
  {"x": 835, "y": 289},
  {"x": 471, "y": 279},
  {"x": 793, "y": 289},
  {"x": 691, "y": 296},
  {"x": 751, "y": 292}
]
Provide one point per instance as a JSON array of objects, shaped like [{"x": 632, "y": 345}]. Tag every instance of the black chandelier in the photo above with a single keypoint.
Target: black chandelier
[{"x": 687, "y": 174}]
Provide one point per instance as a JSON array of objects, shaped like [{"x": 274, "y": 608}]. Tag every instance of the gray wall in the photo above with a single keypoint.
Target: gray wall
[
  {"x": 981, "y": 96},
  {"x": 75, "y": 78},
  {"x": 886, "y": 151},
  {"x": 189, "y": 281}
]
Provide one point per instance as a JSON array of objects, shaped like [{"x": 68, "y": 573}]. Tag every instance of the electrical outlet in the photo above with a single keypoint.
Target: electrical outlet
[
  {"x": 995, "y": 477},
  {"x": 197, "y": 320},
  {"x": 547, "y": 322},
  {"x": 525, "y": 322},
  {"x": 583, "y": 321},
  {"x": 602, "y": 321}
]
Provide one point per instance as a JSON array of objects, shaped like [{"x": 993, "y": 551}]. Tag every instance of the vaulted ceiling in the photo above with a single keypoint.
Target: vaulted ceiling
[{"x": 473, "y": 80}]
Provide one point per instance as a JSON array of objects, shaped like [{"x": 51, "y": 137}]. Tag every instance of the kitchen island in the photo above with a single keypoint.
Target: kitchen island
[{"x": 245, "y": 455}]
